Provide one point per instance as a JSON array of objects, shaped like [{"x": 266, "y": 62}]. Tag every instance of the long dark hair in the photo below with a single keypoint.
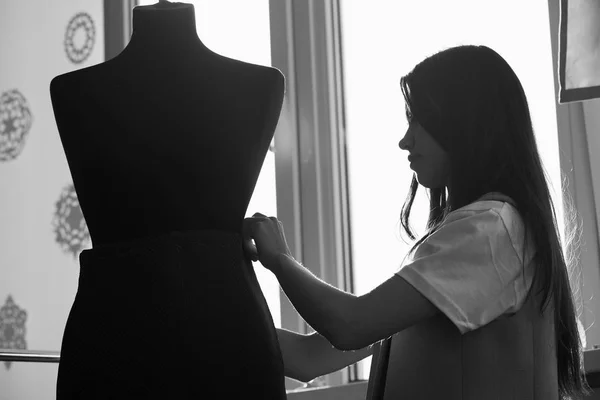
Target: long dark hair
[{"x": 472, "y": 103}]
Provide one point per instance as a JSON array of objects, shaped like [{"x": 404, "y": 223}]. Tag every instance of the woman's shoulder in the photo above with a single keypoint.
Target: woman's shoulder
[
  {"x": 494, "y": 201},
  {"x": 493, "y": 208},
  {"x": 490, "y": 207}
]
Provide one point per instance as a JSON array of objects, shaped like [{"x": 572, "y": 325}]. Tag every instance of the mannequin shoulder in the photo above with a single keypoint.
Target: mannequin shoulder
[
  {"x": 267, "y": 80},
  {"x": 60, "y": 83},
  {"x": 69, "y": 81},
  {"x": 268, "y": 76},
  {"x": 263, "y": 75},
  {"x": 274, "y": 79},
  {"x": 277, "y": 78}
]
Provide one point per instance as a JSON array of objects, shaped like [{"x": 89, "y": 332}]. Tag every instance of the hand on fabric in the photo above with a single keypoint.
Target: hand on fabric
[{"x": 269, "y": 240}]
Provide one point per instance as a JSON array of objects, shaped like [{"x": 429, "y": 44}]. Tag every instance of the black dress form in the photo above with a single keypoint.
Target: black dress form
[{"x": 165, "y": 143}]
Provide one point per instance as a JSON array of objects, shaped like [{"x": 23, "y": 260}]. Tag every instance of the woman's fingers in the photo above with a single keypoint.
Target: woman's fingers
[
  {"x": 250, "y": 249},
  {"x": 247, "y": 237},
  {"x": 249, "y": 228}
]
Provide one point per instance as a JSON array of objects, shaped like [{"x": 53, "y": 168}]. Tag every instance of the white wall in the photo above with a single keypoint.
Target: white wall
[{"x": 38, "y": 267}]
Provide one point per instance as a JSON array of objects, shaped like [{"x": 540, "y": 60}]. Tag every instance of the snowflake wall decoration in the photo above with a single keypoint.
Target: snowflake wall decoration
[
  {"x": 69, "y": 224},
  {"x": 15, "y": 122},
  {"x": 80, "y": 37},
  {"x": 12, "y": 327}
]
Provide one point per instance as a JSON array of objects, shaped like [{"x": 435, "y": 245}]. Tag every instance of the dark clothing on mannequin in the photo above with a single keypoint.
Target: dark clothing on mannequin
[
  {"x": 178, "y": 316},
  {"x": 165, "y": 143}
]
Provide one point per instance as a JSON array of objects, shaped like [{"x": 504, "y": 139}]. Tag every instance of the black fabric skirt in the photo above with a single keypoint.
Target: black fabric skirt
[{"x": 178, "y": 316}]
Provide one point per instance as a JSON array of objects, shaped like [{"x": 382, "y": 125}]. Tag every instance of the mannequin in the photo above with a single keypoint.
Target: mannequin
[
  {"x": 162, "y": 123},
  {"x": 165, "y": 143}
]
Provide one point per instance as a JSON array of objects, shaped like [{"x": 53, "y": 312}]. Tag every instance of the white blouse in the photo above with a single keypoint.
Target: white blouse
[{"x": 471, "y": 268}]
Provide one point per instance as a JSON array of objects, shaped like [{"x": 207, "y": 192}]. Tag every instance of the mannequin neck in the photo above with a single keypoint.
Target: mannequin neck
[{"x": 164, "y": 25}]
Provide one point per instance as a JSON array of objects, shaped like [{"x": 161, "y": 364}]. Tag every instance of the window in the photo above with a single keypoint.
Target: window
[
  {"x": 383, "y": 41},
  {"x": 244, "y": 35}
]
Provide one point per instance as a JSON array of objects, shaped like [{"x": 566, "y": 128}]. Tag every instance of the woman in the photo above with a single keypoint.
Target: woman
[{"x": 471, "y": 143}]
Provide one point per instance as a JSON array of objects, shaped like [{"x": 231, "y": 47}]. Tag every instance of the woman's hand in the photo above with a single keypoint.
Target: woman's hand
[{"x": 269, "y": 240}]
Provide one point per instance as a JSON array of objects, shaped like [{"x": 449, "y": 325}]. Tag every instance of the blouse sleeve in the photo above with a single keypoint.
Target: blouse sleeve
[{"x": 469, "y": 269}]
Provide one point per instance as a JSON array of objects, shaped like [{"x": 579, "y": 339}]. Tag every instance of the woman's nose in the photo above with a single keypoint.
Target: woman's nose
[{"x": 403, "y": 144}]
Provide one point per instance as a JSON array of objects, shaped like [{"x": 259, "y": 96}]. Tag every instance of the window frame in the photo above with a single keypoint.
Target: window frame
[
  {"x": 580, "y": 169},
  {"x": 117, "y": 26},
  {"x": 310, "y": 156}
]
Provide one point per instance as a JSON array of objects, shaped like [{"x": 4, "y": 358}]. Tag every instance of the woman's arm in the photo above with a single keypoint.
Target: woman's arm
[
  {"x": 349, "y": 322},
  {"x": 327, "y": 309},
  {"x": 306, "y": 357}
]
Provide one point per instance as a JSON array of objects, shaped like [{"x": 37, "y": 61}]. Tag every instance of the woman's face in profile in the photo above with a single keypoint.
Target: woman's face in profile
[{"x": 427, "y": 158}]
